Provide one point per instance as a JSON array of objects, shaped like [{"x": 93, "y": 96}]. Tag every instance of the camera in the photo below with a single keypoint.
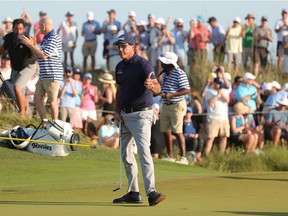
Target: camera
[
  {"x": 163, "y": 27},
  {"x": 20, "y": 36}
]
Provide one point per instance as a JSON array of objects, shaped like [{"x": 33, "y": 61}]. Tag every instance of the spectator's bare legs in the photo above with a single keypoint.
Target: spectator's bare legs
[
  {"x": 208, "y": 146},
  {"x": 276, "y": 135},
  {"x": 181, "y": 142},
  {"x": 168, "y": 142},
  {"x": 280, "y": 62},
  {"x": 256, "y": 69},
  {"x": 93, "y": 62},
  {"x": 40, "y": 106},
  {"x": 21, "y": 100},
  {"x": 54, "y": 109},
  {"x": 222, "y": 144}
]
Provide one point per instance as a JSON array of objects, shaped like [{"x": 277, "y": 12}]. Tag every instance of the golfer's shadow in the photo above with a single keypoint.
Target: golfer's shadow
[
  {"x": 54, "y": 203},
  {"x": 254, "y": 213}
]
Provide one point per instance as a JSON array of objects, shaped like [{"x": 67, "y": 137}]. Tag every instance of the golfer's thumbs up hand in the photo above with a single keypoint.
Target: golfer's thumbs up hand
[{"x": 149, "y": 83}]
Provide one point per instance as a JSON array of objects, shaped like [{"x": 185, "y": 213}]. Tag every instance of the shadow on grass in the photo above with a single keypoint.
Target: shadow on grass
[
  {"x": 54, "y": 203},
  {"x": 255, "y": 213},
  {"x": 250, "y": 178}
]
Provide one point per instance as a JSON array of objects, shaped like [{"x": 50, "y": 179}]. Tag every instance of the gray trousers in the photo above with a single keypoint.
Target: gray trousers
[{"x": 137, "y": 125}]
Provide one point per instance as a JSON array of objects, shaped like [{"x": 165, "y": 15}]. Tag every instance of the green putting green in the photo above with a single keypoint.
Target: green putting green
[{"x": 82, "y": 184}]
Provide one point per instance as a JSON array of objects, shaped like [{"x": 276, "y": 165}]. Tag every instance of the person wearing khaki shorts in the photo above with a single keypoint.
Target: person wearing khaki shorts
[
  {"x": 174, "y": 86},
  {"x": 217, "y": 116}
]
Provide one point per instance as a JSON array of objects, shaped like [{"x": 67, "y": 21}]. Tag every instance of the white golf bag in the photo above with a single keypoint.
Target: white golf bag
[{"x": 54, "y": 131}]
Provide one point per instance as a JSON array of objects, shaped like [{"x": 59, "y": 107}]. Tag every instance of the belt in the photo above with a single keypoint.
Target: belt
[
  {"x": 90, "y": 40},
  {"x": 170, "y": 103},
  {"x": 131, "y": 110}
]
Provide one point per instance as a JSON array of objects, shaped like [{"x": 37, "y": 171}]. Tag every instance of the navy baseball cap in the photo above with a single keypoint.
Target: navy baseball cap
[
  {"x": 68, "y": 68},
  {"x": 124, "y": 38}
]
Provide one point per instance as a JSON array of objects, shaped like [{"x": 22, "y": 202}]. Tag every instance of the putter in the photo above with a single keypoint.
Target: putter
[{"x": 120, "y": 160}]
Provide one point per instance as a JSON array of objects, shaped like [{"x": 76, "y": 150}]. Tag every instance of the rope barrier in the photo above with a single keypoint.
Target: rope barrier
[{"x": 49, "y": 142}]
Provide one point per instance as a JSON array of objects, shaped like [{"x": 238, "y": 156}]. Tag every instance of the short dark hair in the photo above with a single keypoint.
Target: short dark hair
[
  {"x": 237, "y": 78},
  {"x": 18, "y": 21}
]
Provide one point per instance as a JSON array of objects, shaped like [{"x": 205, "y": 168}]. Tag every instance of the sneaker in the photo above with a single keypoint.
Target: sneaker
[
  {"x": 131, "y": 197},
  {"x": 183, "y": 160},
  {"x": 154, "y": 198},
  {"x": 168, "y": 159}
]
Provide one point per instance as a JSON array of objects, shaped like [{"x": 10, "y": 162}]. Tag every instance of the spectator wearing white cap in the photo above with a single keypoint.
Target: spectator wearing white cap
[
  {"x": 129, "y": 26},
  {"x": 112, "y": 55},
  {"x": 6, "y": 28},
  {"x": 90, "y": 30},
  {"x": 276, "y": 124},
  {"x": 154, "y": 36},
  {"x": 142, "y": 40},
  {"x": 179, "y": 47},
  {"x": 174, "y": 86},
  {"x": 68, "y": 32},
  {"x": 262, "y": 37},
  {"x": 247, "y": 92},
  {"x": 271, "y": 101},
  {"x": 281, "y": 30},
  {"x": 234, "y": 44},
  {"x": 111, "y": 20},
  {"x": 165, "y": 41}
]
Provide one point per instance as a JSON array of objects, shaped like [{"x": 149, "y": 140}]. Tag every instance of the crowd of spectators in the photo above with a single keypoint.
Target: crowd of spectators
[{"x": 239, "y": 112}]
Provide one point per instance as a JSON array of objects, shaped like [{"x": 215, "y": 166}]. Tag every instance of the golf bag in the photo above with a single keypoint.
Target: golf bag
[{"x": 54, "y": 131}]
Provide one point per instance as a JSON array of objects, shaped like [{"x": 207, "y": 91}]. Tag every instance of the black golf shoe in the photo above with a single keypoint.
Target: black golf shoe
[
  {"x": 131, "y": 197},
  {"x": 154, "y": 198}
]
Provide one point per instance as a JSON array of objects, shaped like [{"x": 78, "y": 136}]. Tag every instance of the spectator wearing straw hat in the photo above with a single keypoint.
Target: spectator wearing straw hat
[
  {"x": 109, "y": 94},
  {"x": 69, "y": 36},
  {"x": 239, "y": 135}
]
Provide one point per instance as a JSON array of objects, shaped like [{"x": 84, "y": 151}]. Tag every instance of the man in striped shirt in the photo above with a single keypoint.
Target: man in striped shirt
[
  {"x": 174, "y": 86},
  {"x": 51, "y": 68}
]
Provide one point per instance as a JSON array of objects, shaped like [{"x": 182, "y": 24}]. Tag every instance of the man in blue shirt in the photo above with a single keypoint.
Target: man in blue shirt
[
  {"x": 218, "y": 36},
  {"x": 90, "y": 29},
  {"x": 136, "y": 85}
]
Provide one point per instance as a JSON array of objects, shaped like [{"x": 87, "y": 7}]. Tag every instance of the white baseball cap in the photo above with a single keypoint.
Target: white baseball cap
[
  {"x": 276, "y": 85},
  {"x": 237, "y": 19},
  {"x": 169, "y": 58},
  {"x": 248, "y": 76},
  {"x": 160, "y": 20},
  {"x": 228, "y": 76},
  {"x": 112, "y": 28},
  {"x": 267, "y": 87},
  {"x": 132, "y": 13},
  {"x": 283, "y": 101},
  {"x": 141, "y": 23},
  {"x": 90, "y": 15}
]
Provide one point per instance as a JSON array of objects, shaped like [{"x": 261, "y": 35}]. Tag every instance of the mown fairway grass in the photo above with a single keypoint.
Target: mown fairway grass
[{"x": 82, "y": 184}]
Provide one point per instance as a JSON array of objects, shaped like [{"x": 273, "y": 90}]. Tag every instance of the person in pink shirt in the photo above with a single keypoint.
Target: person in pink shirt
[
  {"x": 89, "y": 99},
  {"x": 200, "y": 37},
  {"x": 37, "y": 34}
]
